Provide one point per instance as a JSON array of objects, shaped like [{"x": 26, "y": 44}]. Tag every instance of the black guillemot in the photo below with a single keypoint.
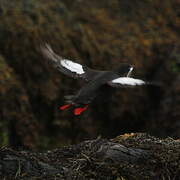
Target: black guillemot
[{"x": 95, "y": 79}]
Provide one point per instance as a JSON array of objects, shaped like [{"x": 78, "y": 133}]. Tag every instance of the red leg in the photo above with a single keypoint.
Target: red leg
[
  {"x": 78, "y": 111},
  {"x": 64, "y": 106}
]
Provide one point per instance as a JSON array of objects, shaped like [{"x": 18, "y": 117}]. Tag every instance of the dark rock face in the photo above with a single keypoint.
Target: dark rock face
[
  {"x": 146, "y": 36},
  {"x": 169, "y": 111},
  {"x": 18, "y": 126}
]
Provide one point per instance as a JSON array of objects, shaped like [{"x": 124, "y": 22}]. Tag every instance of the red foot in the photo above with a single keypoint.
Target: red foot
[
  {"x": 78, "y": 111},
  {"x": 64, "y": 106}
]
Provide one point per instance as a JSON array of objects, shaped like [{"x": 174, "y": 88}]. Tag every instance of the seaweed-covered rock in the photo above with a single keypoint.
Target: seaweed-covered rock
[{"x": 130, "y": 156}]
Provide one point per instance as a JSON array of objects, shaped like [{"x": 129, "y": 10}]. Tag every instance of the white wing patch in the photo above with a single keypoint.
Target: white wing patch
[
  {"x": 72, "y": 66},
  {"x": 128, "y": 81}
]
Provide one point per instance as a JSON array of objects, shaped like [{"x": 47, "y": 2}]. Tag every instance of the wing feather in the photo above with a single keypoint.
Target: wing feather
[
  {"x": 126, "y": 81},
  {"x": 68, "y": 67}
]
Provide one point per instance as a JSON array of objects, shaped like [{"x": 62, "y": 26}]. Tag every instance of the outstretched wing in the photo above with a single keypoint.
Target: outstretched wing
[
  {"x": 68, "y": 67},
  {"x": 126, "y": 81}
]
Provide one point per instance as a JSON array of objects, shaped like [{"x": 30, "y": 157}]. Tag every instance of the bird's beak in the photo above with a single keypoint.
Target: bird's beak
[{"x": 129, "y": 73}]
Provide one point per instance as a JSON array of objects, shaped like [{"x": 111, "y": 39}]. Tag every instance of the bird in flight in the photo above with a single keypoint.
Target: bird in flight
[{"x": 95, "y": 79}]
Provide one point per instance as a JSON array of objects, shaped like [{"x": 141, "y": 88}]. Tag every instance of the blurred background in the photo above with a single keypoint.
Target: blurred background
[{"x": 100, "y": 34}]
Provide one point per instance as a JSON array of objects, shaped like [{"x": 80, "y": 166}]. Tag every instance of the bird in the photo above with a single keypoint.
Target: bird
[{"x": 95, "y": 79}]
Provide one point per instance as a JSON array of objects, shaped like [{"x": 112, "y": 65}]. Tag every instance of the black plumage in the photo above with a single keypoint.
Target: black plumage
[{"x": 95, "y": 79}]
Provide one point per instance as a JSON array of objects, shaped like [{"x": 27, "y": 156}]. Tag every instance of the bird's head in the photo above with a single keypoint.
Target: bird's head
[{"x": 124, "y": 70}]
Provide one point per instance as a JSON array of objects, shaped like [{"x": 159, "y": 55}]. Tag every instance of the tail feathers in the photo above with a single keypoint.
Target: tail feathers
[{"x": 69, "y": 97}]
